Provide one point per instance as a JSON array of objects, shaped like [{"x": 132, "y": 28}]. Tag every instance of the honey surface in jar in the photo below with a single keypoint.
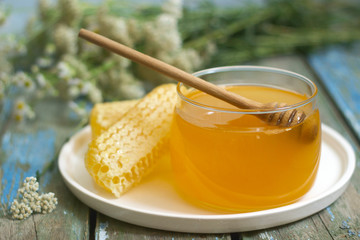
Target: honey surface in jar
[{"x": 235, "y": 162}]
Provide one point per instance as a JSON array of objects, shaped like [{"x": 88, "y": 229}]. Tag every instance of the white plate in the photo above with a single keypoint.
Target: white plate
[{"x": 154, "y": 203}]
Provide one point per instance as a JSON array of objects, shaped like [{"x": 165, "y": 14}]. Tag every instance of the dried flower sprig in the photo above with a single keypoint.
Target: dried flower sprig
[
  {"x": 73, "y": 70},
  {"x": 52, "y": 61},
  {"x": 253, "y": 31},
  {"x": 31, "y": 201}
]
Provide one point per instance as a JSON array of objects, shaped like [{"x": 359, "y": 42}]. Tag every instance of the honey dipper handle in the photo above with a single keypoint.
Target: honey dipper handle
[{"x": 169, "y": 71}]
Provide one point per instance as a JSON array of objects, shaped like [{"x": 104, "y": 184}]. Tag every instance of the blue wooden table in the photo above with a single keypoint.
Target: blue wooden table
[{"x": 31, "y": 148}]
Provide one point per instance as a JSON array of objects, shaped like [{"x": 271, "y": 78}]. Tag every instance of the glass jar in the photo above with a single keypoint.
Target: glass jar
[{"x": 229, "y": 159}]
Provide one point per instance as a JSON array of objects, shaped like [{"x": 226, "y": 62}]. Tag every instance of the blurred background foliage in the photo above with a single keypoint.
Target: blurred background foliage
[{"x": 49, "y": 60}]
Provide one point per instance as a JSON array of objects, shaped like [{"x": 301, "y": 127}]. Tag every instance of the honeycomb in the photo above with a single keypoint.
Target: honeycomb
[
  {"x": 123, "y": 154},
  {"x": 104, "y": 115}
]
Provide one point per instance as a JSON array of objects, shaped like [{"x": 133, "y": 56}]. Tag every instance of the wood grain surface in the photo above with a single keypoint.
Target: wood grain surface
[
  {"x": 339, "y": 69},
  {"x": 31, "y": 147}
]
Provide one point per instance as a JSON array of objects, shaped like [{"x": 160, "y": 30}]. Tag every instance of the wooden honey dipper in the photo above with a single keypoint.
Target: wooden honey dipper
[{"x": 284, "y": 118}]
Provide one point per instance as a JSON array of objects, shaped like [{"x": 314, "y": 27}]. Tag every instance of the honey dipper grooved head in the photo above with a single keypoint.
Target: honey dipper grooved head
[{"x": 284, "y": 118}]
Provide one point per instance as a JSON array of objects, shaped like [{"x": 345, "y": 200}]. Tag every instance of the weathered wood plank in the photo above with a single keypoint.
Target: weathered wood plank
[
  {"x": 29, "y": 148},
  {"x": 109, "y": 228},
  {"x": 342, "y": 218},
  {"x": 322, "y": 225},
  {"x": 328, "y": 224},
  {"x": 339, "y": 69},
  {"x": 309, "y": 228}
]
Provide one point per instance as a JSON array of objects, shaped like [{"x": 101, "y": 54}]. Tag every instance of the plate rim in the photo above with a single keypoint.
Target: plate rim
[{"x": 337, "y": 188}]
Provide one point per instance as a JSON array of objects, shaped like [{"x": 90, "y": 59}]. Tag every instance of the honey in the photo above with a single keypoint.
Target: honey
[{"x": 232, "y": 161}]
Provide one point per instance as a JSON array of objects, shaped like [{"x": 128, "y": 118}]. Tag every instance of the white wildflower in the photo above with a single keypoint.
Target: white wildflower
[
  {"x": 73, "y": 92},
  {"x": 173, "y": 7},
  {"x": 63, "y": 70},
  {"x": 78, "y": 67},
  {"x": 130, "y": 88},
  {"x": 44, "y": 62},
  {"x": 90, "y": 90},
  {"x": 91, "y": 22},
  {"x": 120, "y": 61},
  {"x": 29, "y": 194},
  {"x": 73, "y": 82},
  {"x": 65, "y": 39},
  {"x": 31, "y": 201},
  {"x": 48, "y": 202},
  {"x": 45, "y": 88},
  {"x": 70, "y": 11},
  {"x": 115, "y": 28},
  {"x": 30, "y": 185},
  {"x": 19, "y": 117},
  {"x": 4, "y": 78},
  {"x": 22, "y": 111},
  {"x": 84, "y": 87},
  {"x": 30, "y": 114},
  {"x": 29, "y": 85},
  {"x": 81, "y": 112},
  {"x": 18, "y": 79},
  {"x": 40, "y": 79},
  {"x": 23, "y": 81},
  {"x": 20, "y": 105},
  {"x": 210, "y": 49},
  {"x": 20, "y": 210},
  {"x": 114, "y": 84},
  {"x": 166, "y": 56},
  {"x": 95, "y": 94},
  {"x": 135, "y": 29},
  {"x": 162, "y": 35},
  {"x": 43, "y": 8},
  {"x": 187, "y": 60},
  {"x": 87, "y": 48}
]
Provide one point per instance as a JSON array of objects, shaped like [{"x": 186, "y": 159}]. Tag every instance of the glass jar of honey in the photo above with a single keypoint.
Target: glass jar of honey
[{"x": 229, "y": 159}]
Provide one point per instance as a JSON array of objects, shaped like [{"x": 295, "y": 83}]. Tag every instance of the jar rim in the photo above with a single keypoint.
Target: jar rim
[{"x": 244, "y": 68}]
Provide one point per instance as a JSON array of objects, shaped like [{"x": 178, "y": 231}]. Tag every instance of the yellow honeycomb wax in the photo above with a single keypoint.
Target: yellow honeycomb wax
[{"x": 123, "y": 154}]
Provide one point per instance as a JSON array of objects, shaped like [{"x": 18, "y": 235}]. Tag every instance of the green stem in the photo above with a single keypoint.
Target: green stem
[
  {"x": 310, "y": 38},
  {"x": 95, "y": 72},
  {"x": 223, "y": 34},
  {"x": 265, "y": 46}
]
